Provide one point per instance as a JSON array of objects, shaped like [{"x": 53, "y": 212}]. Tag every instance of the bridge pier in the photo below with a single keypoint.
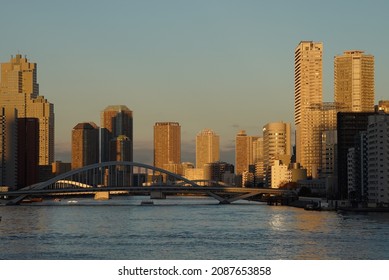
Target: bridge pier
[{"x": 101, "y": 195}]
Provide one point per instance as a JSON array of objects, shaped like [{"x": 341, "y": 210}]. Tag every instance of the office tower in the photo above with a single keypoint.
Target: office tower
[
  {"x": 354, "y": 81},
  {"x": 85, "y": 144},
  {"x": 349, "y": 125},
  {"x": 308, "y": 92},
  {"x": 115, "y": 121},
  {"x": 244, "y": 151},
  {"x": 8, "y": 147},
  {"x": 207, "y": 147},
  {"x": 28, "y": 151},
  {"x": 167, "y": 143},
  {"x": 276, "y": 146},
  {"x": 19, "y": 89}
]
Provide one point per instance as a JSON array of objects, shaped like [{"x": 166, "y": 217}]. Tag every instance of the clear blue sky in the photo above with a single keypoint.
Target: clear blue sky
[{"x": 223, "y": 65}]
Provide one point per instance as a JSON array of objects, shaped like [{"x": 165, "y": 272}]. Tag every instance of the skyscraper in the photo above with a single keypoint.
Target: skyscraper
[
  {"x": 207, "y": 147},
  {"x": 85, "y": 144},
  {"x": 277, "y": 143},
  {"x": 276, "y": 146},
  {"x": 115, "y": 121},
  {"x": 244, "y": 151},
  {"x": 354, "y": 81},
  {"x": 307, "y": 93},
  {"x": 167, "y": 143},
  {"x": 19, "y": 89}
]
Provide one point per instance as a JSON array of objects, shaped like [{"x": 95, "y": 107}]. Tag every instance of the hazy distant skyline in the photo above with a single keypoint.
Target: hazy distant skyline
[{"x": 222, "y": 65}]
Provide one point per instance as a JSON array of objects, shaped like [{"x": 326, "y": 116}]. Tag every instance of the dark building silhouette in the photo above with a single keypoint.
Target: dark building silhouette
[
  {"x": 349, "y": 125},
  {"x": 27, "y": 151}
]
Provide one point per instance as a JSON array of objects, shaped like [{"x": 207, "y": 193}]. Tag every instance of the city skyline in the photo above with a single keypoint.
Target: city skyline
[{"x": 222, "y": 65}]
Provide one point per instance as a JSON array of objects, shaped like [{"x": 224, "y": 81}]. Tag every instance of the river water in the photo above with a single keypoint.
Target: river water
[{"x": 187, "y": 228}]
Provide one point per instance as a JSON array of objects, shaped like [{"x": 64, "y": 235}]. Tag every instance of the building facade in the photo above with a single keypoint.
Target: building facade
[
  {"x": 19, "y": 89},
  {"x": 116, "y": 120},
  {"x": 349, "y": 125},
  {"x": 307, "y": 92},
  {"x": 167, "y": 143},
  {"x": 280, "y": 174},
  {"x": 244, "y": 152},
  {"x": 276, "y": 147},
  {"x": 8, "y": 147},
  {"x": 85, "y": 144},
  {"x": 28, "y": 152},
  {"x": 354, "y": 81},
  {"x": 207, "y": 147},
  {"x": 378, "y": 159}
]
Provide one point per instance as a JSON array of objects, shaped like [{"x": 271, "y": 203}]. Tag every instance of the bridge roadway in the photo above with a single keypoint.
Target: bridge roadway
[{"x": 225, "y": 195}]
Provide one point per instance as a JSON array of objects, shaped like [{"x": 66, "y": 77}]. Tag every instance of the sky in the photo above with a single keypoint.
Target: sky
[{"x": 217, "y": 64}]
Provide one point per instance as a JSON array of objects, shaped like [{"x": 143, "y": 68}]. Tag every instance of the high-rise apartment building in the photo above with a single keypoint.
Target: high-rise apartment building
[
  {"x": 85, "y": 144},
  {"x": 19, "y": 89},
  {"x": 244, "y": 151},
  {"x": 116, "y": 120},
  {"x": 308, "y": 82},
  {"x": 167, "y": 143},
  {"x": 277, "y": 143},
  {"x": 207, "y": 147},
  {"x": 276, "y": 146},
  {"x": 354, "y": 81}
]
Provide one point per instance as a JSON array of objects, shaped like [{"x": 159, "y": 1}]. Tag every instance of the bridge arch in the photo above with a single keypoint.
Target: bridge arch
[{"x": 69, "y": 174}]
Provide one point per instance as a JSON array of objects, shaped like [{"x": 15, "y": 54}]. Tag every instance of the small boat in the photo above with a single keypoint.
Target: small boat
[{"x": 147, "y": 202}]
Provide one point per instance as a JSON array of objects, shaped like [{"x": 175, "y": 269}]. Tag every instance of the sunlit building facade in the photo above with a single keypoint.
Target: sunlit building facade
[
  {"x": 244, "y": 151},
  {"x": 19, "y": 89},
  {"x": 85, "y": 144},
  {"x": 116, "y": 120},
  {"x": 167, "y": 143},
  {"x": 207, "y": 147},
  {"x": 308, "y": 82},
  {"x": 354, "y": 81}
]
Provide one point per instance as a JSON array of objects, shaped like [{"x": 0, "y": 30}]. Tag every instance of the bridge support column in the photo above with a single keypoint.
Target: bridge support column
[{"x": 102, "y": 196}]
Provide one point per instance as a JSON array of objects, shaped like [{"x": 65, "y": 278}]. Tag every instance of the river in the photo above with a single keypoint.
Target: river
[{"x": 187, "y": 228}]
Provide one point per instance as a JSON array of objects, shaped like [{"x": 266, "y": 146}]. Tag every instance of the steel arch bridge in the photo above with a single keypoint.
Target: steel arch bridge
[{"x": 134, "y": 178}]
